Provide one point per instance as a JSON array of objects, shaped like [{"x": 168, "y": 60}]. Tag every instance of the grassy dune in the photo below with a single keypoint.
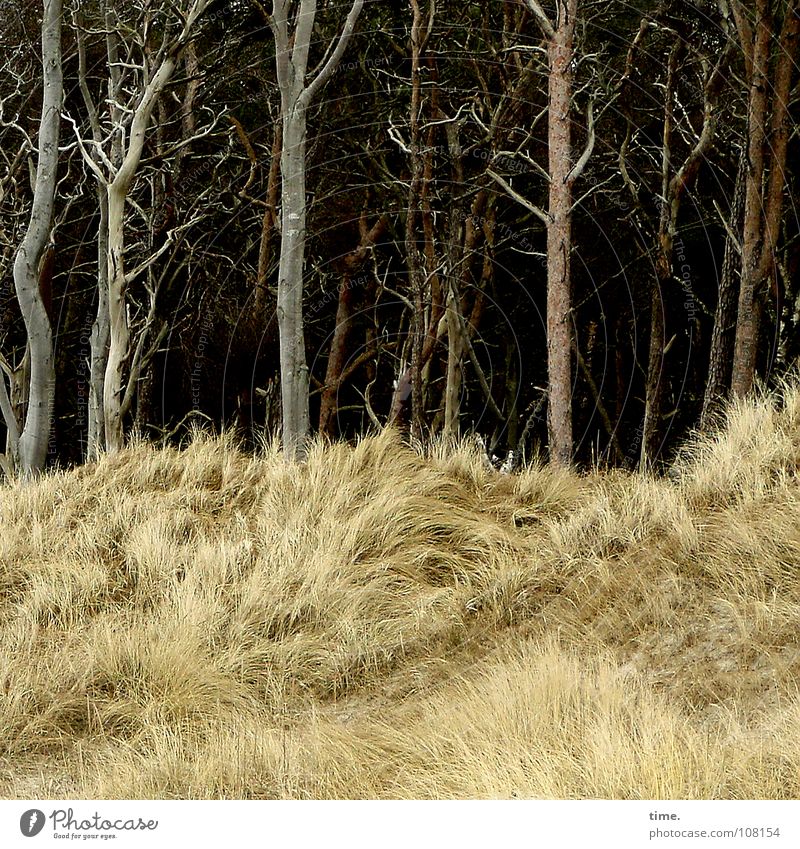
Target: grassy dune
[{"x": 375, "y": 623}]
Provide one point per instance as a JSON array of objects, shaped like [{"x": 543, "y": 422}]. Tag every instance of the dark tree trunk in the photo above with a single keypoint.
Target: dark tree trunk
[
  {"x": 654, "y": 386},
  {"x": 269, "y": 225},
  {"x": 722, "y": 337},
  {"x": 768, "y": 137}
]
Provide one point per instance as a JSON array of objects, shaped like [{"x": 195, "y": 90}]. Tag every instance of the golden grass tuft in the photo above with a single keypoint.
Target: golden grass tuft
[{"x": 381, "y": 622}]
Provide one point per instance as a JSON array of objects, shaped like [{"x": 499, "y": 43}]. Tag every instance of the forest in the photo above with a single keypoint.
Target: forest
[
  {"x": 399, "y": 400},
  {"x": 567, "y": 228}
]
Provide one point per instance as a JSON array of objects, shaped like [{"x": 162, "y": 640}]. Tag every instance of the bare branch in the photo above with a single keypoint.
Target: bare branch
[
  {"x": 531, "y": 207},
  {"x": 183, "y": 143},
  {"x": 545, "y": 24},
  {"x": 87, "y": 157},
  {"x": 487, "y": 392},
  {"x": 335, "y": 58},
  {"x": 735, "y": 241},
  {"x": 577, "y": 169},
  {"x": 8, "y": 412},
  {"x": 368, "y": 405},
  {"x": 303, "y": 32},
  {"x": 130, "y": 276},
  {"x": 394, "y": 135}
]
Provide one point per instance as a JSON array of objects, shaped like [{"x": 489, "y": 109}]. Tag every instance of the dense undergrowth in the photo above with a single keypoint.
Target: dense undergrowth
[{"x": 378, "y": 623}]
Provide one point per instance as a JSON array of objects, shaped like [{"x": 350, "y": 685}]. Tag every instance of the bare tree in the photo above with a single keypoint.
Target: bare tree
[
  {"x": 720, "y": 357},
  {"x": 563, "y": 172},
  {"x": 674, "y": 185},
  {"x": 769, "y": 82},
  {"x": 336, "y": 372},
  {"x": 292, "y": 45},
  {"x": 132, "y": 98},
  {"x": 31, "y": 448},
  {"x": 18, "y": 164},
  {"x": 417, "y": 202},
  {"x": 101, "y": 325}
]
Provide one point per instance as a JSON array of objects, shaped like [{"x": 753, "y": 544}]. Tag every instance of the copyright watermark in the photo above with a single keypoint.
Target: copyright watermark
[{"x": 65, "y": 825}]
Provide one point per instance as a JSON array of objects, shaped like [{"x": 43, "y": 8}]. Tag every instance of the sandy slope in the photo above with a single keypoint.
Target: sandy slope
[{"x": 375, "y": 623}]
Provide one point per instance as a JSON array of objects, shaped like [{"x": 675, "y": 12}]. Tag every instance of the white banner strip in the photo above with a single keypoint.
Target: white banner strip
[{"x": 295, "y": 824}]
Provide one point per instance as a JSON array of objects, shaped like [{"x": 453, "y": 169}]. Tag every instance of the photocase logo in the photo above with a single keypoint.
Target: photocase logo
[{"x": 31, "y": 822}]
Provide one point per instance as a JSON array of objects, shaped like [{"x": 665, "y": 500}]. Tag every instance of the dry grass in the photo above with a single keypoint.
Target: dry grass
[{"x": 376, "y": 623}]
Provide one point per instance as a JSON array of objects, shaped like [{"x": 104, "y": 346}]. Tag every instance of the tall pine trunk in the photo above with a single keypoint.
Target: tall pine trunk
[
  {"x": 559, "y": 236},
  {"x": 768, "y": 127}
]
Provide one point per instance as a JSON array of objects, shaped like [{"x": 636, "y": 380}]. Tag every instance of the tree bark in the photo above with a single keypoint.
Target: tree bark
[
  {"x": 768, "y": 136},
  {"x": 559, "y": 236},
  {"x": 291, "y": 58},
  {"x": 10, "y": 417},
  {"x": 466, "y": 233},
  {"x": 118, "y": 188},
  {"x": 344, "y": 310},
  {"x": 744, "y": 353},
  {"x": 673, "y": 189},
  {"x": 269, "y": 224},
  {"x": 294, "y": 370},
  {"x": 99, "y": 338},
  {"x": 666, "y": 236},
  {"x": 414, "y": 259},
  {"x": 34, "y": 439},
  {"x": 722, "y": 336},
  {"x": 110, "y": 337},
  {"x": 455, "y": 355}
]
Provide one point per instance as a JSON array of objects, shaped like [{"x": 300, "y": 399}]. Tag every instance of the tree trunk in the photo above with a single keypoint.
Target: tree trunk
[
  {"x": 668, "y": 213},
  {"x": 334, "y": 372},
  {"x": 767, "y": 149},
  {"x": 130, "y": 114},
  {"x": 673, "y": 189},
  {"x": 291, "y": 60},
  {"x": 744, "y": 354},
  {"x": 269, "y": 224},
  {"x": 722, "y": 337},
  {"x": 34, "y": 439},
  {"x": 119, "y": 335},
  {"x": 455, "y": 355},
  {"x": 466, "y": 232},
  {"x": 14, "y": 404},
  {"x": 294, "y": 370},
  {"x": 559, "y": 237},
  {"x": 336, "y": 359},
  {"x": 651, "y": 432},
  {"x": 118, "y": 188},
  {"x": 99, "y": 339},
  {"x": 414, "y": 259}
]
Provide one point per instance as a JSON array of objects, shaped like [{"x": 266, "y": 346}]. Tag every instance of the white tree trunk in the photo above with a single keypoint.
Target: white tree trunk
[
  {"x": 33, "y": 440},
  {"x": 119, "y": 334},
  {"x": 294, "y": 370},
  {"x": 110, "y": 339},
  {"x": 291, "y": 60},
  {"x": 99, "y": 340}
]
